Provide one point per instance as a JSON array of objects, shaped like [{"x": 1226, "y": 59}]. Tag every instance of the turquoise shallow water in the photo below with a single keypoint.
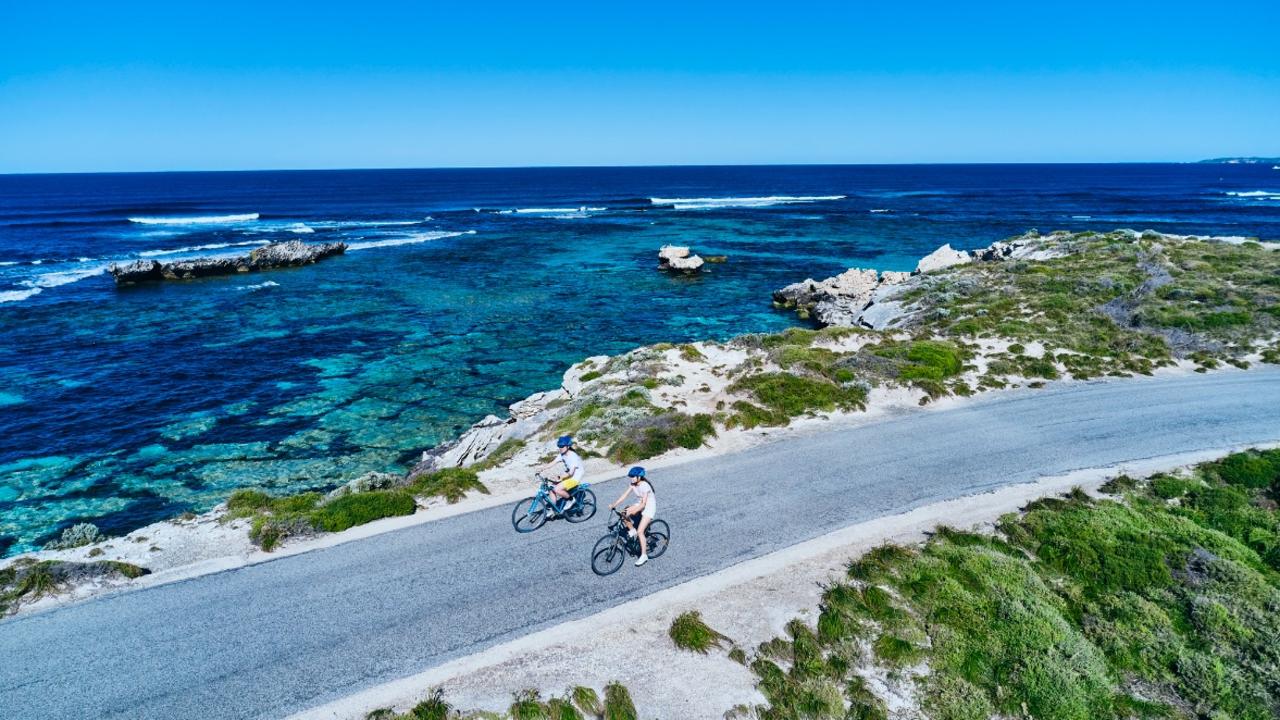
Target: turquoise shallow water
[{"x": 123, "y": 406}]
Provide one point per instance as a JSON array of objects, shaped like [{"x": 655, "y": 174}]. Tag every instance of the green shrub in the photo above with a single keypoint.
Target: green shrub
[
  {"x": 1252, "y": 470},
  {"x": 506, "y": 450},
  {"x": 586, "y": 700},
  {"x": 528, "y": 705},
  {"x": 618, "y": 704},
  {"x": 794, "y": 395},
  {"x": 452, "y": 483},
  {"x": 360, "y": 508},
  {"x": 655, "y": 435},
  {"x": 689, "y": 632},
  {"x": 247, "y": 502},
  {"x": 433, "y": 707},
  {"x": 590, "y": 375}
]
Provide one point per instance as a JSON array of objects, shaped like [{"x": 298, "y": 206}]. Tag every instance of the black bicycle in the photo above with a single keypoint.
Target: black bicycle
[
  {"x": 530, "y": 513},
  {"x": 612, "y": 549}
]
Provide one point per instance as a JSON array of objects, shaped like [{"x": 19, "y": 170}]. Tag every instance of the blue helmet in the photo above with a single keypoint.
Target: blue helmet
[
  {"x": 636, "y": 471},
  {"x": 564, "y": 441}
]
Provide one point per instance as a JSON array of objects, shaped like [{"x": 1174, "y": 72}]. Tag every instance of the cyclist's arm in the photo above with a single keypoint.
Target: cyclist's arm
[{"x": 621, "y": 497}]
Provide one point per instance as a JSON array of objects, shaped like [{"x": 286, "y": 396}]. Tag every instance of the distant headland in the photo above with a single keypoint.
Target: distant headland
[{"x": 1241, "y": 161}]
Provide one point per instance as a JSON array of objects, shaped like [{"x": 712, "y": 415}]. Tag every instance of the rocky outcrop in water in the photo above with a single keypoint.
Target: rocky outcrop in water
[
  {"x": 269, "y": 257},
  {"x": 678, "y": 259}
]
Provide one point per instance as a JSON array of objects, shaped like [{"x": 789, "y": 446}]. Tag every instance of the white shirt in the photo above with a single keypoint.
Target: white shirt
[
  {"x": 644, "y": 492},
  {"x": 572, "y": 464}
]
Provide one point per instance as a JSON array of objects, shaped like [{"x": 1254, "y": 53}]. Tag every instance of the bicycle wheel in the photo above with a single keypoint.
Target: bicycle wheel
[
  {"x": 607, "y": 556},
  {"x": 585, "y": 509},
  {"x": 529, "y": 514},
  {"x": 658, "y": 537}
]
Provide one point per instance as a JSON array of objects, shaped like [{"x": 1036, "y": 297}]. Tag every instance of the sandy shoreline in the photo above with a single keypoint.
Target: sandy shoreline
[{"x": 750, "y": 602}]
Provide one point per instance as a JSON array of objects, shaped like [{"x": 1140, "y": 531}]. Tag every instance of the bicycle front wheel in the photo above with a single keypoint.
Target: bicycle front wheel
[
  {"x": 584, "y": 509},
  {"x": 607, "y": 556},
  {"x": 529, "y": 514},
  {"x": 657, "y": 536}
]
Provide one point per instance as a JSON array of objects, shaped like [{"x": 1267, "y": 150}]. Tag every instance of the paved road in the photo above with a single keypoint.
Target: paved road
[{"x": 271, "y": 639}]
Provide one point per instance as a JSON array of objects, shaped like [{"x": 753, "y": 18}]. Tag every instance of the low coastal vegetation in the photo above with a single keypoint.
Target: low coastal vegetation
[
  {"x": 371, "y": 497},
  {"x": 1021, "y": 313},
  {"x": 26, "y": 580},
  {"x": 577, "y": 703},
  {"x": 690, "y": 632},
  {"x": 1158, "y": 602}
]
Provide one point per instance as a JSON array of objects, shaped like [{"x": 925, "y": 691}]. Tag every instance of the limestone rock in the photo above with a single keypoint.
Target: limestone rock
[
  {"x": 943, "y": 257},
  {"x": 276, "y": 255},
  {"x": 838, "y": 300},
  {"x": 678, "y": 258}
]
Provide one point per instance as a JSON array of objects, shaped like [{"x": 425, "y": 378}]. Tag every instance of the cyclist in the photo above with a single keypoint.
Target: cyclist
[
  {"x": 644, "y": 508},
  {"x": 569, "y": 471}
]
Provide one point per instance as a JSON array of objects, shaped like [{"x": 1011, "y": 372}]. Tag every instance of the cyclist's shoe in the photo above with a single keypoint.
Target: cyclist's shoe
[
  {"x": 631, "y": 533},
  {"x": 568, "y": 505},
  {"x": 643, "y": 559}
]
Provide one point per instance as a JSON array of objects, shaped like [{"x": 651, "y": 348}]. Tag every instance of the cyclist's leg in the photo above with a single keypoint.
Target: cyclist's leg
[{"x": 644, "y": 525}]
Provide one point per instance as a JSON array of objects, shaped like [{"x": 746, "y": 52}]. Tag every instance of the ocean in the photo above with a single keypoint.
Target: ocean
[{"x": 461, "y": 292}]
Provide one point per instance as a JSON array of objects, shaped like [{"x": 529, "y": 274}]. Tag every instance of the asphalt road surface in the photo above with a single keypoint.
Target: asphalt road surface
[{"x": 275, "y": 638}]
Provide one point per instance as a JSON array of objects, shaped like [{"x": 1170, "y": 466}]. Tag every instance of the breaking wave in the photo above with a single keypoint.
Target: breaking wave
[
  {"x": 194, "y": 248},
  {"x": 406, "y": 240},
  {"x": 708, "y": 203},
  {"x": 198, "y": 220}
]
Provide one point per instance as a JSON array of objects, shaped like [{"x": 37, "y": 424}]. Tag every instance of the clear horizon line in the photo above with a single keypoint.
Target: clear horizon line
[{"x": 618, "y": 167}]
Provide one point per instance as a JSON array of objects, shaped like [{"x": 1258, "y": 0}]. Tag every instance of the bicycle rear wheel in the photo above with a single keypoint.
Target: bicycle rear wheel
[
  {"x": 529, "y": 514},
  {"x": 607, "y": 556},
  {"x": 657, "y": 536},
  {"x": 584, "y": 509}
]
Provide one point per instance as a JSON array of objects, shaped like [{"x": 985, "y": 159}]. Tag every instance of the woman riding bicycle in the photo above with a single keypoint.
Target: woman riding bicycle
[
  {"x": 644, "y": 508},
  {"x": 568, "y": 470}
]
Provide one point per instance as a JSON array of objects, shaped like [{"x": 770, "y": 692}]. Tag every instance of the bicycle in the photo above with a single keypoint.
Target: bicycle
[
  {"x": 532, "y": 512},
  {"x": 612, "y": 549}
]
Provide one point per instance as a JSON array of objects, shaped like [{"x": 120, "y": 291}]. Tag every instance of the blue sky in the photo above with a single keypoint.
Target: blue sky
[{"x": 236, "y": 85}]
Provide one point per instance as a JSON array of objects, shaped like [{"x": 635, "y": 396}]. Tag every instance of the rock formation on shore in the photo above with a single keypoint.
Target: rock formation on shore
[
  {"x": 864, "y": 298},
  {"x": 276, "y": 255},
  {"x": 678, "y": 259}
]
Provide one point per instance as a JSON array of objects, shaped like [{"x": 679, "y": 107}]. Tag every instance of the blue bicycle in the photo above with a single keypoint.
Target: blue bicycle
[{"x": 530, "y": 513}]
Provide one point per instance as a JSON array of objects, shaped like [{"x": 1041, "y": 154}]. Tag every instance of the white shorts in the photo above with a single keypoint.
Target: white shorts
[{"x": 649, "y": 510}]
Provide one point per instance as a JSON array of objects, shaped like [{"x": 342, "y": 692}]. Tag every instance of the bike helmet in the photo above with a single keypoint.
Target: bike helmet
[
  {"x": 564, "y": 441},
  {"x": 635, "y": 472}
]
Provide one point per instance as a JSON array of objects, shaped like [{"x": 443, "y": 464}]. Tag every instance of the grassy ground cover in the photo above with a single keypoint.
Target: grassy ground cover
[
  {"x": 577, "y": 703},
  {"x": 26, "y": 580},
  {"x": 1159, "y": 603}
]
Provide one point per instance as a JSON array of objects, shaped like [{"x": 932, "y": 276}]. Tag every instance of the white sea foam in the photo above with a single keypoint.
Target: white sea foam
[
  {"x": 85, "y": 259},
  {"x": 1081, "y": 217},
  {"x": 64, "y": 277},
  {"x": 406, "y": 240},
  {"x": 196, "y": 248},
  {"x": 740, "y": 202},
  {"x": 574, "y": 212},
  {"x": 1255, "y": 193},
  {"x": 341, "y": 224},
  {"x": 6, "y": 263},
  {"x": 259, "y": 286},
  {"x": 198, "y": 220},
  {"x": 300, "y": 228},
  {"x": 8, "y": 296},
  {"x": 37, "y": 262},
  {"x": 881, "y": 210}
]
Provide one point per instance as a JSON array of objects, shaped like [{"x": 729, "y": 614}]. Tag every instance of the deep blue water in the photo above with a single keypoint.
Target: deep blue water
[{"x": 123, "y": 406}]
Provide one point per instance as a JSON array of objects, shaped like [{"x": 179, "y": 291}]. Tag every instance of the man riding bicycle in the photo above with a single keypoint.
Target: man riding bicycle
[
  {"x": 642, "y": 510},
  {"x": 568, "y": 470}
]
